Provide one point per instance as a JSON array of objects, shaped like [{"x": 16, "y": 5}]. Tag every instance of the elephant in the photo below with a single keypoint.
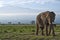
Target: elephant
[{"x": 45, "y": 20}]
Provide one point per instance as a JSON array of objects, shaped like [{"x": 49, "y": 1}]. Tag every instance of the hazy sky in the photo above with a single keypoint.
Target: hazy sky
[{"x": 13, "y": 8}]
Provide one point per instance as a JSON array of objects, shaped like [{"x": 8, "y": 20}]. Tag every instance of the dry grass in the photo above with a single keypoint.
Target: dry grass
[{"x": 24, "y": 32}]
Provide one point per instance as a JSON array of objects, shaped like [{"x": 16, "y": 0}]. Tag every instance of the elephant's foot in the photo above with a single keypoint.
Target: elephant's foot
[
  {"x": 43, "y": 34},
  {"x": 36, "y": 33},
  {"x": 54, "y": 35},
  {"x": 47, "y": 34}
]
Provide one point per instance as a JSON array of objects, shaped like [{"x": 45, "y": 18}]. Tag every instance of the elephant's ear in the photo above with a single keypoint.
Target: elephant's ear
[
  {"x": 53, "y": 13},
  {"x": 52, "y": 16}
]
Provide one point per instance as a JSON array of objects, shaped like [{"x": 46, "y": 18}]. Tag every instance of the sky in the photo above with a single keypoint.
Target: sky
[{"x": 26, "y": 10}]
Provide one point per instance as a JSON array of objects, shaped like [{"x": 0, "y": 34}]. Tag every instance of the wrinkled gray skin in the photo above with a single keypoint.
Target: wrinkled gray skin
[{"x": 43, "y": 20}]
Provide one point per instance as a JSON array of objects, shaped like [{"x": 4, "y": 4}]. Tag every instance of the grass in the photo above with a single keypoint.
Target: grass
[{"x": 25, "y": 32}]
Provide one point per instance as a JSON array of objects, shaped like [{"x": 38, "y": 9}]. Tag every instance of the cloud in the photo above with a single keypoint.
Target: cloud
[
  {"x": 23, "y": 2},
  {"x": 33, "y": 4},
  {"x": 1, "y": 3},
  {"x": 57, "y": 0}
]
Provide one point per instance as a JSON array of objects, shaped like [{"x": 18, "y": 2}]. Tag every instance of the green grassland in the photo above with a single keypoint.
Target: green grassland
[{"x": 25, "y": 32}]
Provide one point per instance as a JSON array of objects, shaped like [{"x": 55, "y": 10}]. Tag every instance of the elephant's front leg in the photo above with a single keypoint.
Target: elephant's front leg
[
  {"x": 49, "y": 29},
  {"x": 53, "y": 32},
  {"x": 46, "y": 30}
]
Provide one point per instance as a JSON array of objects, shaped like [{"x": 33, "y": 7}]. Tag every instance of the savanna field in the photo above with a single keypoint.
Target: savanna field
[{"x": 25, "y": 32}]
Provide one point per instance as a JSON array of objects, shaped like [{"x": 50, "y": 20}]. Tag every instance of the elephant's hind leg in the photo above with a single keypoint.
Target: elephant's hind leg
[{"x": 42, "y": 28}]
